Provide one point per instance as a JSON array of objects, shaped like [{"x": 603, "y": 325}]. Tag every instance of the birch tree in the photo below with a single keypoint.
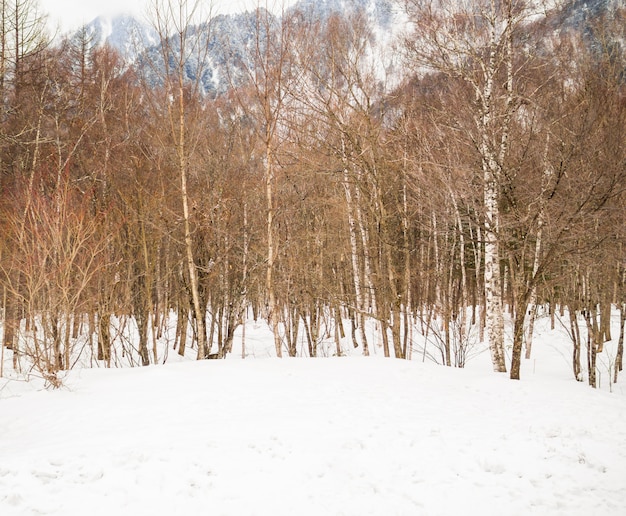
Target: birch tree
[
  {"x": 267, "y": 71},
  {"x": 180, "y": 48},
  {"x": 565, "y": 184},
  {"x": 342, "y": 84},
  {"x": 477, "y": 43}
]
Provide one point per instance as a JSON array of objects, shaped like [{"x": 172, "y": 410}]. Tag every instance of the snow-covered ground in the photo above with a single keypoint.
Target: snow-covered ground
[{"x": 327, "y": 436}]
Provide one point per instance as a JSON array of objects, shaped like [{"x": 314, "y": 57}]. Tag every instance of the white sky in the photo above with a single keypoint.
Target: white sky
[{"x": 71, "y": 14}]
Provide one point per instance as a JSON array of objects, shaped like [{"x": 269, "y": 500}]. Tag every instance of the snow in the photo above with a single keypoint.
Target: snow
[{"x": 337, "y": 435}]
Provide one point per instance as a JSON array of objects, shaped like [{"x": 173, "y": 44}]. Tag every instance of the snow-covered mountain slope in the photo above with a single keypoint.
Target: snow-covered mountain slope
[
  {"x": 125, "y": 33},
  {"x": 222, "y": 49}
]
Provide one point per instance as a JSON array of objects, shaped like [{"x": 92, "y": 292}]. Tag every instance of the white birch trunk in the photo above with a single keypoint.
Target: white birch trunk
[
  {"x": 191, "y": 265},
  {"x": 532, "y": 303},
  {"x": 244, "y": 279},
  {"x": 407, "y": 264},
  {"x": 358, "y": 288},
  {"x": 491, "y": 163},
  {"x": 274, "y": 319},
  {"x": 367, "y": 259},
  {"x": 493, "y": 293}
]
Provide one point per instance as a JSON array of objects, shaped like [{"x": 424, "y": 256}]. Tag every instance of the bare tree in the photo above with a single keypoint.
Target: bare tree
[
  {"x": 179, "y": 46},
  {"x": 267, "y": 71},
  {"x": 476, "y": 43}
]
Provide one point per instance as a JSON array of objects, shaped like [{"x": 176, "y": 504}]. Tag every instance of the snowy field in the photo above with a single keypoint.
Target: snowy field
[{"x": 327, "y": 436}]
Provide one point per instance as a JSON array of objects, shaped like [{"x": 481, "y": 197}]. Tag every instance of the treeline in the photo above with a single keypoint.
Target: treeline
[{"x": 489, "y": 179}]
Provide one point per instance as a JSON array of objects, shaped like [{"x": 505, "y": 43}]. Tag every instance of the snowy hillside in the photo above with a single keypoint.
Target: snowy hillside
[
  {"x": 126, "y": 34},
  {"x": 219, "y": 56},
  {"x": 223, "y": 47},
  {"x": 353, "y": 436}
]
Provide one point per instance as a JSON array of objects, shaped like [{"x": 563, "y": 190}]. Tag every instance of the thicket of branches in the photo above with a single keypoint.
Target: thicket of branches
[{"x": 489, "y": 180}]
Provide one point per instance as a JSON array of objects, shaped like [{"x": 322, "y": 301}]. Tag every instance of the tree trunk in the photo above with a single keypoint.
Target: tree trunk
[
  {"x": 354, "y": 254},
  {"x": 518, "y": 337},
  {"x": 309, "y": 336},
  {"x": 66, "y": 340},
  {"x": 338, "y": 332},
  {"x": 532, "y": 314},
  {"x": 385, "y": 337},
  {"x": 493, "y": 295},
  {"x": 272, "y": 307},
  {"x": 104, "y": 337},
  {"x": 605, "y": 323},
  {"x": 575, "y": 335},
  {"x": 620, "y": 343},
  {"x": 244, "y": 280},
  {"x": 191, "y": 266},
  {"x": 141, "y": 318},
  {"x": 181, "y": 329},
  {"x": 367, "y": 258},
  {"x": 592, "y": 336}
]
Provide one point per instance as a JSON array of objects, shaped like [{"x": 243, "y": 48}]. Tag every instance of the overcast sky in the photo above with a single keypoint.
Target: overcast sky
[{"x": 70, "y": 14}]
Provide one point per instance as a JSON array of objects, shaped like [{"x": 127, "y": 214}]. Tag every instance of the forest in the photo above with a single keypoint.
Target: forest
[{"x": 452, "y": 182}]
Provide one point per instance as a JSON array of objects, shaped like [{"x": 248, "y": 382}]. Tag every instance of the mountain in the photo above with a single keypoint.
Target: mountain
[
  {"x": 219, "y": 55},
  {"x": 582, "y": 12},
  {"x": 126, "y": 34},
  {"x": 222, "y": 51},
  {"x": 382, "y": 13}
]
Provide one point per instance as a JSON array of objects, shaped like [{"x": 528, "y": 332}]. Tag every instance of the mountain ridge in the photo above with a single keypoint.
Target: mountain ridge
[{"x": 228, "y": 40}]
